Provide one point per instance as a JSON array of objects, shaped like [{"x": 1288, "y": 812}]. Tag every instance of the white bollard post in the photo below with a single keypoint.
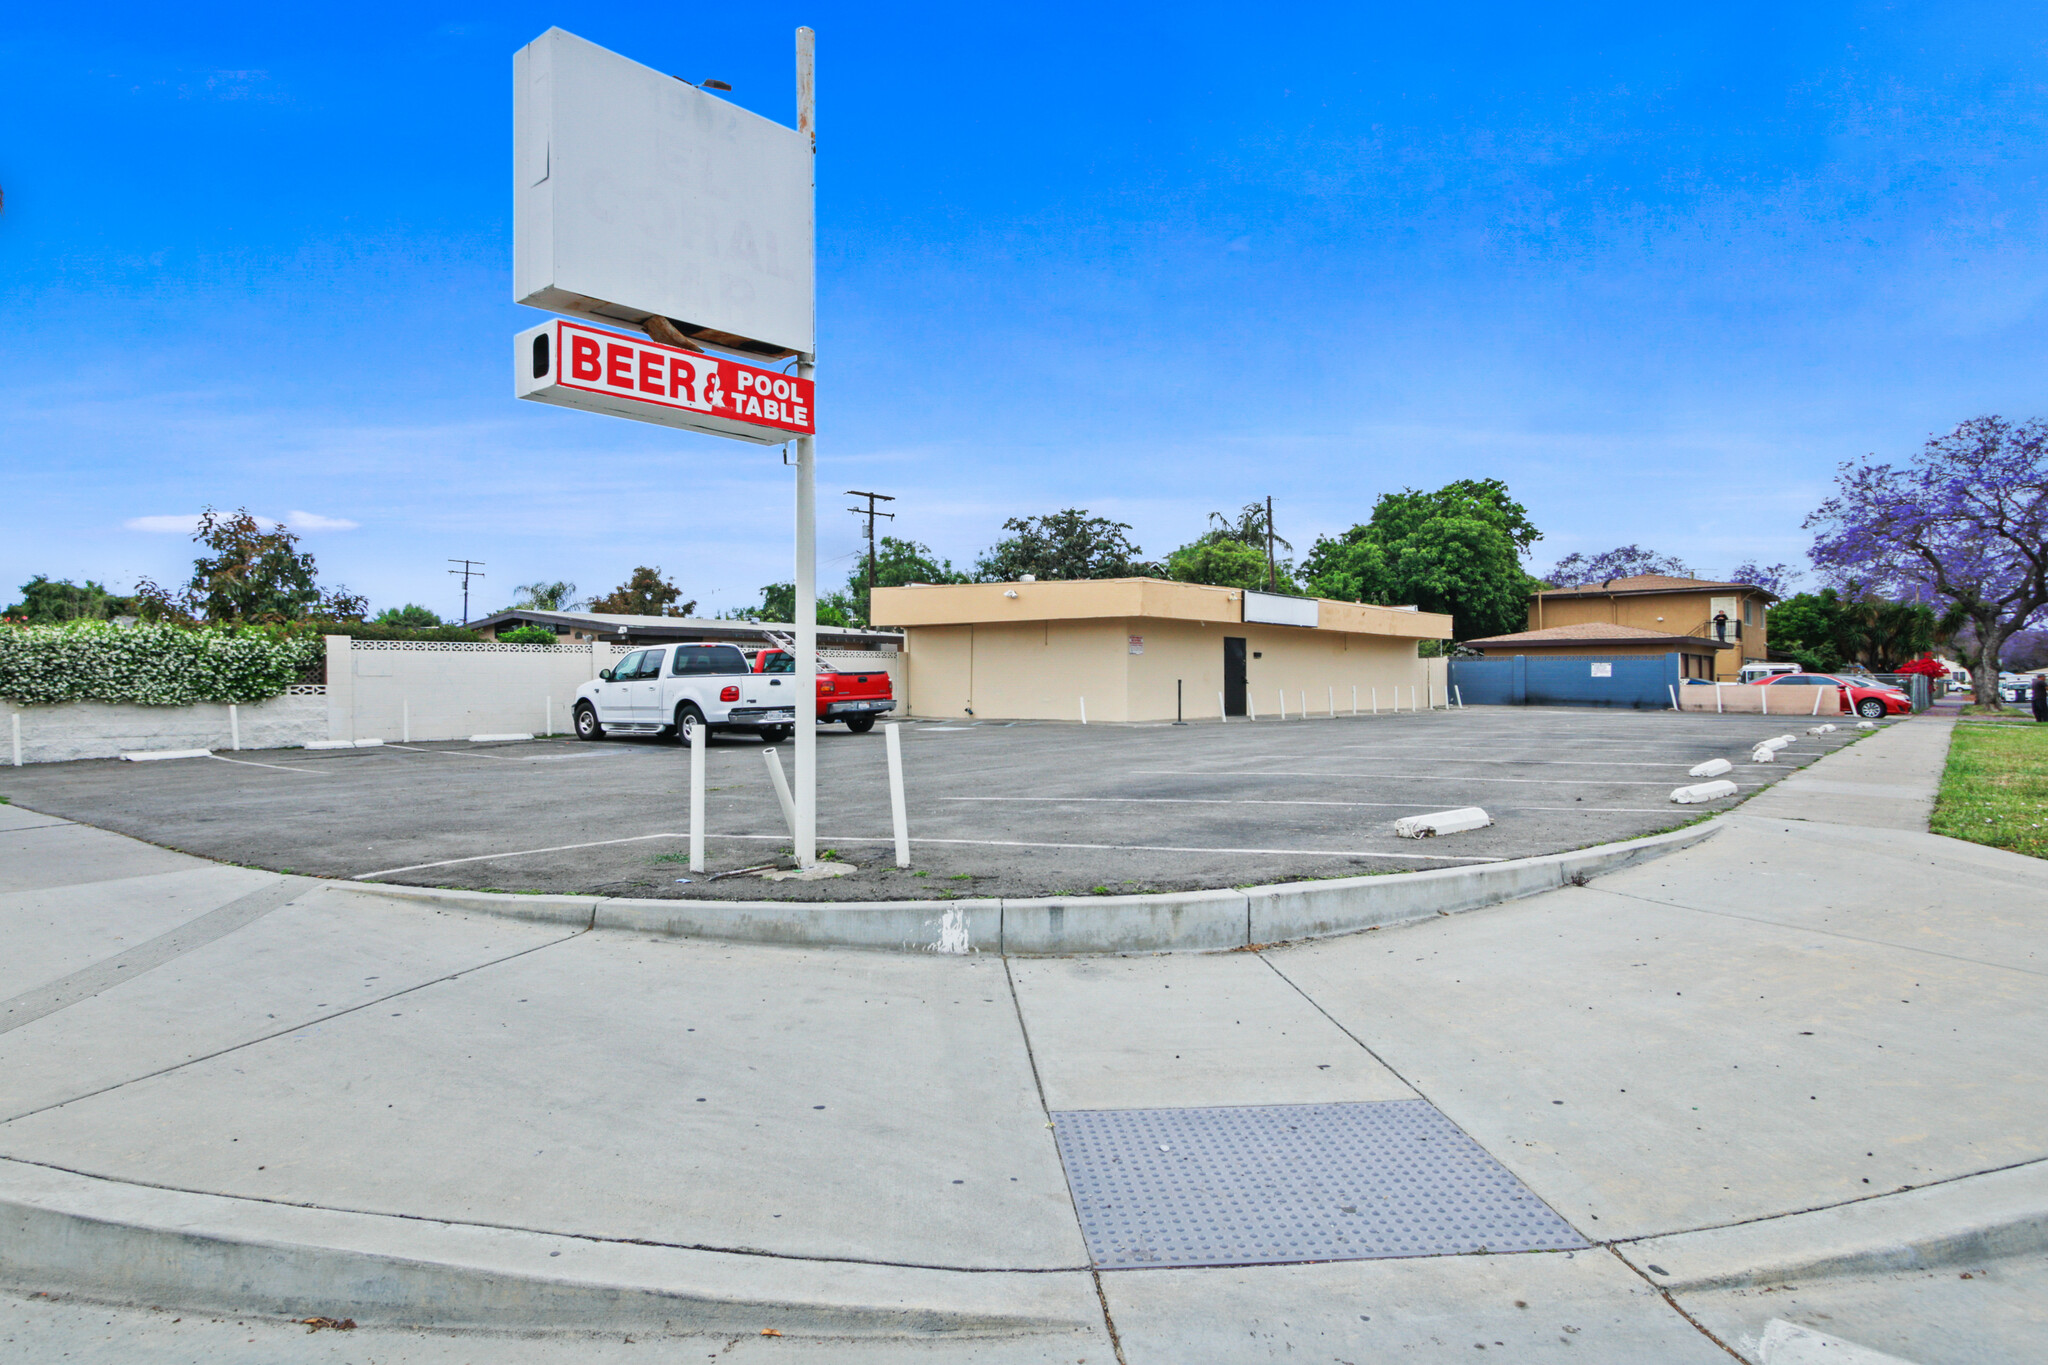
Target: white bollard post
[
  {"x": 1333, "y": 701},
  {"x": 1673, "y": 690},
  {"x": 1429, "y": 693},
  {"x": 405, "y": 725},
  {"x": 1375, "y": 701},
  {"x": 1283, "y": 703},
  {"x": 1251, "y": 708},
  {"x": 16, "y": 718},
  {"x": 1084, "y": 710},
  {"x": 697, "y": 804},
  {"x": 1354, "y": 699},
  {"x": 1717, "y": 699},
  {"x": 551, "y": 715},
  {"x": 1459, "y": 692},
  {"x": 235, "y": 728},
  {"x": 1767, "y": 699},
  {"x": 1411, "y": 696},
  {"x": 1816, "y": 701},
  {"x": 1304, "y": 703},
  {"x": 896, "y": 809},
  {"x": 775, "y": 775},
  {"x": 1219, "y": 709}
]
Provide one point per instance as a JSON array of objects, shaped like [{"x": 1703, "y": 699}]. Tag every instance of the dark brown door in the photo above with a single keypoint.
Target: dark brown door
[{"x": 1233, "y": 676}]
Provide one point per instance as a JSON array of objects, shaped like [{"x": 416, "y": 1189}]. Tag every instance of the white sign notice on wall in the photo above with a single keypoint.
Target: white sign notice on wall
[
  {"x": 1137, "y": 644},
  {"x": 1603, "y": 670}
]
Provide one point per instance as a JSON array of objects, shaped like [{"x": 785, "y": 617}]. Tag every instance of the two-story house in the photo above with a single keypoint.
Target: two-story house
[{"x": 1722, "y": 622}]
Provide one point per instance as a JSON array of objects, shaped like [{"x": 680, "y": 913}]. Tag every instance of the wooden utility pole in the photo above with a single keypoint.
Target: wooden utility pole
[
  {"x": 470, "y": 569},
  {"x": 870, "y": 513},
  {"x": 1272, "y": 575}
]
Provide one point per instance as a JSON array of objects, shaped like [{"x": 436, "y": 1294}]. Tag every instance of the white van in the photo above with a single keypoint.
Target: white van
[
  {"x": 685, "y": 691},
  {"x": 1751, "y": 672}
]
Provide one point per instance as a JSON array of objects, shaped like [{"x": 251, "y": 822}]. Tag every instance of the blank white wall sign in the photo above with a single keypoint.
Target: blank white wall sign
[{"x": 636, "y": 193}]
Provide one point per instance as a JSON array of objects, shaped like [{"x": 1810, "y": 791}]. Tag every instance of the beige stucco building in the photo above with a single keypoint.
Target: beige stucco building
[
  {"x": 1143, "y": 649},
  {"x": 1725, "y": 618}
]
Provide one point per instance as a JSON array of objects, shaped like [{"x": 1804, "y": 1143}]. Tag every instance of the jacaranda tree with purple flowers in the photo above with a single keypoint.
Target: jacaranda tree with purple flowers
[{"x": 1963, "y": 528}]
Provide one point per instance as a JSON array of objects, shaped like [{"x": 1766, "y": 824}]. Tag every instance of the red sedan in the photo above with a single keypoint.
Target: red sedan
[{"x": 1867, "y": 697}]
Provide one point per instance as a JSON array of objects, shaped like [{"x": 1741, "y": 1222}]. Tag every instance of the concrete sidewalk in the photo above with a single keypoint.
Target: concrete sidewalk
[{"x": 1810, "y": 1052}]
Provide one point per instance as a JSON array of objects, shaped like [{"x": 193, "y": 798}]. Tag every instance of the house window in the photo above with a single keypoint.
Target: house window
[{"x": 1749, "y": 611}]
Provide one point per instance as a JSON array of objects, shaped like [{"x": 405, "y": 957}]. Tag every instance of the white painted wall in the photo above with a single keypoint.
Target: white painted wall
[
  {"x": 58, "y": 734},
  {"x": 453, "y": 691}
]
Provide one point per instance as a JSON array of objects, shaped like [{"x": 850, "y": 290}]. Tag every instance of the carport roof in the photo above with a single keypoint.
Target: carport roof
[
  {"x": 649, "y": 629},
  {"x": 1588, "y": 633}
]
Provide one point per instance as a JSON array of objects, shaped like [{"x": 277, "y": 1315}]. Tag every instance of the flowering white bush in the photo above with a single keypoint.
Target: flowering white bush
[{"x": 147, "y": 665}]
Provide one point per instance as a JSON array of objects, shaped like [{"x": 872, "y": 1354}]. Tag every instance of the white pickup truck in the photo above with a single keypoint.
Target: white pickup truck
[{"x": 686, "y": 691}]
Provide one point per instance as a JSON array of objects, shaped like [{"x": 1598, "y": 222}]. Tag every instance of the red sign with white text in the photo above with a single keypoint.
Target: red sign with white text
[{"x": 574, "y": 365}]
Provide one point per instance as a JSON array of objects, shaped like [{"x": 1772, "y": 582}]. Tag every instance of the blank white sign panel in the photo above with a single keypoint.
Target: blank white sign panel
[
  {"x": 638, "y": 194},
  {"x": 1276, "y": 609}
]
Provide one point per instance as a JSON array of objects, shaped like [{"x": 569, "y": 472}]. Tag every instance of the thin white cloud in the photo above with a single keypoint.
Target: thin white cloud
[
  {"x": 187, "y": 524},
  {"x": 313, "y": 521}
]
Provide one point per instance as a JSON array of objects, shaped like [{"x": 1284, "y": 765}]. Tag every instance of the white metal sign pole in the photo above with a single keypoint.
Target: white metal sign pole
[{"x": 806, "y": 611}]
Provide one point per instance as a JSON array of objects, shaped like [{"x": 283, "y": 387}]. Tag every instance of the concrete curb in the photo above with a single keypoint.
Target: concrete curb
[
  {"x": 1188, "y": 921},
  {"x": 1965, "y": 1222},
  {"x": 127, "y": 1243}
]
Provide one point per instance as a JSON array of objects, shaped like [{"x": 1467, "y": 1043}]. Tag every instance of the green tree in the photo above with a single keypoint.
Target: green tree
[
  {"x": 778, "y": 607},
  {"x": 897, "y": 562},
  {"x": 557, "y": 596},
  {"x": 1457, "y": 550},
  {"x": 411, "y": 614},
  {"x": 1233, "y": 554},
  {"x": 1061, "y": 546},
  {"x": 46, "y": 601},
  {"x": 250, "y": 576},
  {"x": 1828, "y": 631},
  {"x": 1227, "y": 562},
  {"x": 1249, "y": 527},
  {"x": 527, "y": 635},
  {"x": 646, "y": 593}
]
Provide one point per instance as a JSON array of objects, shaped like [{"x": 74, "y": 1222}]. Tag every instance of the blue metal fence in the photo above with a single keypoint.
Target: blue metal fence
[{"x": 1532, "y": 680}]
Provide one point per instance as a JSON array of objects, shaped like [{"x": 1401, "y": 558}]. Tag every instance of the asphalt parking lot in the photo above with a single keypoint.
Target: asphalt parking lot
[{"x": 995, "y": 809}]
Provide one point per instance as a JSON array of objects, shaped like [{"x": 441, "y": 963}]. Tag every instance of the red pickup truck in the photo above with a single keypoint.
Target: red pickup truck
[{"x": 856, "y": 698}]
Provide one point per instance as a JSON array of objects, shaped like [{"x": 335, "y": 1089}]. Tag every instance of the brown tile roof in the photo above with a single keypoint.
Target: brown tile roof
[
  {"x": 1589, "y": 632},
  {"x": 1647, "y": 582}
]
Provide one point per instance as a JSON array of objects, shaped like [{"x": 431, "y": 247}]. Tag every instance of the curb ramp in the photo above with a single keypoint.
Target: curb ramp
[
  {"x": 1958, "y": 1223},
  {"x": 117, "y": 1242}
]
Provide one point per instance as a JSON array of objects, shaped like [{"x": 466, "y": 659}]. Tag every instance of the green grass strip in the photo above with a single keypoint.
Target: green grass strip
[{"x": 1995, "y": 788}]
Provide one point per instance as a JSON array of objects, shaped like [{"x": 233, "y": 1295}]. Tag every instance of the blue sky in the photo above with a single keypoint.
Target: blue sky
[{"x": 1658, "y": 270}]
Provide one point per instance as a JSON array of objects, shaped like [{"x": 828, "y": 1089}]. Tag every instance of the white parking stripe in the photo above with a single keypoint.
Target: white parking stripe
[
  {"x": 250, "y": 763},
  {"x": 1227, "y": 801},
  {"x": 486, "y": 857},
  {"x": 1449, "y": 779}
]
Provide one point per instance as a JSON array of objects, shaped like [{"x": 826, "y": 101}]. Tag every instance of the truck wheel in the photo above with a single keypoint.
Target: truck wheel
[
  {"x": 587, "y": 726},
  {"x": 1870, "y": 708},
  {"x": 690, "y": 728},
  {"x": 776, "y": 734},
  {"x": 860, "y": 725}
]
